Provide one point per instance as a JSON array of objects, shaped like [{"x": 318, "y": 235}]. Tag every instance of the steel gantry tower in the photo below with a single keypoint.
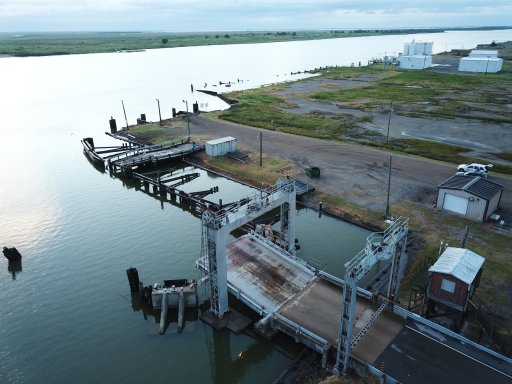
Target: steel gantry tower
[
  {"x": 388, "y": 246},
  {"x": 218, "y": 225}
]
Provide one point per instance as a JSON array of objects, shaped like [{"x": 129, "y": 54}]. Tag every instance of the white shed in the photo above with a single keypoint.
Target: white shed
[
  {"x": 480, "y": 64},
  {"x": 415, "y": 62},
  {"x": 219, "y": 147},
  {"x": 471, "y": 196},
  {"x": 483, "y": 53}
]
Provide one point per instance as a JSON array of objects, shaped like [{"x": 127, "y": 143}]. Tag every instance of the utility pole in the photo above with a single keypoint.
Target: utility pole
[
  {"x": 124, "y": 110},
  {"x": 389, "y": 119},
  {"x": 188, "y": 118},
  {"x": 464, "y": 237},
  {"x": 261, "y": 149},
  {"x": 389, "y": 188},
  {"x": 159, "y": 114}
]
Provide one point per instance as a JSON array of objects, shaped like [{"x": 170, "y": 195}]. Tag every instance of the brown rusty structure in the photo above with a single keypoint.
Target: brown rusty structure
[{"x": 453, "y": 280}]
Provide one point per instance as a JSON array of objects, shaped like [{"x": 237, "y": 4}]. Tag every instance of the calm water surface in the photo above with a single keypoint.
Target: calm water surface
[{"x": 68, "y": 316}]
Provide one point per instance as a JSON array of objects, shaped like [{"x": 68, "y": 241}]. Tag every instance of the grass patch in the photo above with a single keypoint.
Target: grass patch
[
  {"x": 503, "y": 155},
  {"x": 62, "y": 43},
  {"x": 154, "y": 133},
  {"x": 250, "y": 171},
  {"x": 374, "y": 96},
  {"x": 264, "y": 115}
]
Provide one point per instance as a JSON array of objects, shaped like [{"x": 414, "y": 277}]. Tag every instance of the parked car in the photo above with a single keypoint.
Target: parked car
[{"x": 474, "y": 169}]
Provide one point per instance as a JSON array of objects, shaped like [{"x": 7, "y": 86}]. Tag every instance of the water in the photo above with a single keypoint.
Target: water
[{"x": 67, "y": 316}]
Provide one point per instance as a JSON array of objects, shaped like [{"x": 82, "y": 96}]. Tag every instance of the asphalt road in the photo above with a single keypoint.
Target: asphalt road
[
  {"x": 416, "y": 358},
  {"x": 358, "y": 173}
]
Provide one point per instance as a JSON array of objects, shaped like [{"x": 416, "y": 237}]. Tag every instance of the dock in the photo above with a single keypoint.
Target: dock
[
  {"x": 150, "y": 156},
  {"x": 350, "y": 327},
  {"x": 297, "y": 299}
]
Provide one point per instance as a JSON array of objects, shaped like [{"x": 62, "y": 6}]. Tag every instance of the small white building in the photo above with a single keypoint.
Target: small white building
[
  {"x": 416, "y": 55},
  {"x": 483, "y": 53},
  {"x": 415, "y": 62},
  {"x": 474, "y": 197},
  {"x": 481, "y": 61},
  {"x": 219, "y": 147}
]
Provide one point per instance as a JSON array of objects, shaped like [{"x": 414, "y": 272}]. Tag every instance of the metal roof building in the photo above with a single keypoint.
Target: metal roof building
[
  {"x": 472, "y": 196},
  {"x": 481, "y": 61},
  {"x": 219, "y": 147},
  {"x": 460, "y": 263},
  {"x": 453, "y": 280},
  {"x": 483, "y": 53}
]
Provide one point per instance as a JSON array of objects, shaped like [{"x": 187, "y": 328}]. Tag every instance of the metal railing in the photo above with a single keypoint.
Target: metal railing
[
  {"x": 298, "y": 330},
  {"x": 410, "y": 315}
]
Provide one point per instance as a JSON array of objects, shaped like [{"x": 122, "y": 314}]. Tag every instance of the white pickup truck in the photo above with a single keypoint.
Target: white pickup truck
[{"x": 474, "y": 169}]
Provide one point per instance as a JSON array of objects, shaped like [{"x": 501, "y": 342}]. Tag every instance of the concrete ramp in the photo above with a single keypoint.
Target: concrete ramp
[{"x": 264, "y": 275}]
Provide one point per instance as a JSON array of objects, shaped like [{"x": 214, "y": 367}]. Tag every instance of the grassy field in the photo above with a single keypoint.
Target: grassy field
[
  {"x": 43, "y": 44},
  {"x": 424, "y": 94}
]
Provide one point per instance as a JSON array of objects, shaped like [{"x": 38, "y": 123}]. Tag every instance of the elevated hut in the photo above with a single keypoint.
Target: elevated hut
[{"x": 453, "y": 280}]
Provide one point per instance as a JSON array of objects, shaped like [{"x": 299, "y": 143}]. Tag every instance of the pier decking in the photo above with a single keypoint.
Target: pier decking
[{"x": 305, "y": 303}]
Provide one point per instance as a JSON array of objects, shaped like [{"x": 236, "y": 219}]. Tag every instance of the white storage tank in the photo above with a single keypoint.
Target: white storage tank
[
  {"x": 415, "y": 48},
  {"x": 415, "y": 62},
  {"x": 480, "y": 64},
  {"x": 483, "y": 53},
  {"x": 219, "y": 147}
]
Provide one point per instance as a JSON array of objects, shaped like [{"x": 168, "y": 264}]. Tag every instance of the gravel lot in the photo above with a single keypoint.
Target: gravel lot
[{"x": 356, "y": 173}]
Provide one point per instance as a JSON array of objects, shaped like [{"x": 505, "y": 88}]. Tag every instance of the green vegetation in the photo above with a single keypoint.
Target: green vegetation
[
  {"x": 62, "y": 43},
  {"x": 249, "y": 170},
  {"x": 423, "y": 94},
  {"x": 155, "y": 133}
]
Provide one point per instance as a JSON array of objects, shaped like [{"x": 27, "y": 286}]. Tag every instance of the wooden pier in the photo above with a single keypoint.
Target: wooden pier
[{"x": 153, "y": 155}]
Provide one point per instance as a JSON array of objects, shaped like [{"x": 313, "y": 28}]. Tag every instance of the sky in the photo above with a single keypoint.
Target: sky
[{"x": 229, "y": 15}]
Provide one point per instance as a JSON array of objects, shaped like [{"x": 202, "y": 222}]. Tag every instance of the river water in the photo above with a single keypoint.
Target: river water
[{"x": 67, "y": 316}]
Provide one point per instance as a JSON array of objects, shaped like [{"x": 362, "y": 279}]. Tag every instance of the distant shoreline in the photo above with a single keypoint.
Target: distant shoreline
[{"x": 67, "y": 43}]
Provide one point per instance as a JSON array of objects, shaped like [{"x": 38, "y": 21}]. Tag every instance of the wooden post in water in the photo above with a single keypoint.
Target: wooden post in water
[
  {"x": 181, "y": 311},
  {"x": 163, "y": 313},
  {"x": 124, "y": 110}
]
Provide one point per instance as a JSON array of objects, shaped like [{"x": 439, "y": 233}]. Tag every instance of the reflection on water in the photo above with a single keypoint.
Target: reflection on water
[
  {"x": 14, "y": 267},
  {"x": 79, "y": 230},
  {"x": 191, "y": 316}
]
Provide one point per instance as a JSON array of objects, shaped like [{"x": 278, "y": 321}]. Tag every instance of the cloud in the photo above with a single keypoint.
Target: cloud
[{"x": 248, "y": 14}]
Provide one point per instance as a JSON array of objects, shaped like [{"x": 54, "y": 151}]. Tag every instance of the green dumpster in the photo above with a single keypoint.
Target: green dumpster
[{"x": 313, "y": 172}]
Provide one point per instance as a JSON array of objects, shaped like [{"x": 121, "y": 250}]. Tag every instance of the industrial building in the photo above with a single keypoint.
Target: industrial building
[
  {"x": 417, "y": 48},
  {"x": 481, "y": 61},
  {"x": 416, "y": 55},
  {"x": 453, "y": 280},
  {"x": 222, "y": 146},
  {"x": 474, "y": 197}
]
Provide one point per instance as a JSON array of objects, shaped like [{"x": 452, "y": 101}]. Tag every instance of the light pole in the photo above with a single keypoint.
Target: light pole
[
  {"x": 188, "y": 117},
  {"x": 261, "y": 149},
  {"x": 389, "y": 120},
  {"x": 159, "y": 114},
  {"x": 124, "y": 110},
  {"x": 389, "y": 188}
]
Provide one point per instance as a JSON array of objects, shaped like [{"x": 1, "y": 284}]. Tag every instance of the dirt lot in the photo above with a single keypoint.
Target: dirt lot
[
  {"x": 483, "y": 137},
  {"x": 357, "y": 173}
]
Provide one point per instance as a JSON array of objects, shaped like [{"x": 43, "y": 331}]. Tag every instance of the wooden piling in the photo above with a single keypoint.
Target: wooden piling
[
  {"x": 163, "y": 313},
  {"x": 181, "y": 312}
]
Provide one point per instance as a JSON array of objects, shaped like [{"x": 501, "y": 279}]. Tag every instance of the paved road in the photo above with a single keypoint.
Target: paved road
[
  {"x": 358, "y": 173},
  {"x": 414, "y": 357}
]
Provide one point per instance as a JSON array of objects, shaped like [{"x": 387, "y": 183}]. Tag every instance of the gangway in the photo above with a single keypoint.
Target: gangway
[
  {"x": 388, "y": 245},
  {"x": 218, "y": 225}
]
